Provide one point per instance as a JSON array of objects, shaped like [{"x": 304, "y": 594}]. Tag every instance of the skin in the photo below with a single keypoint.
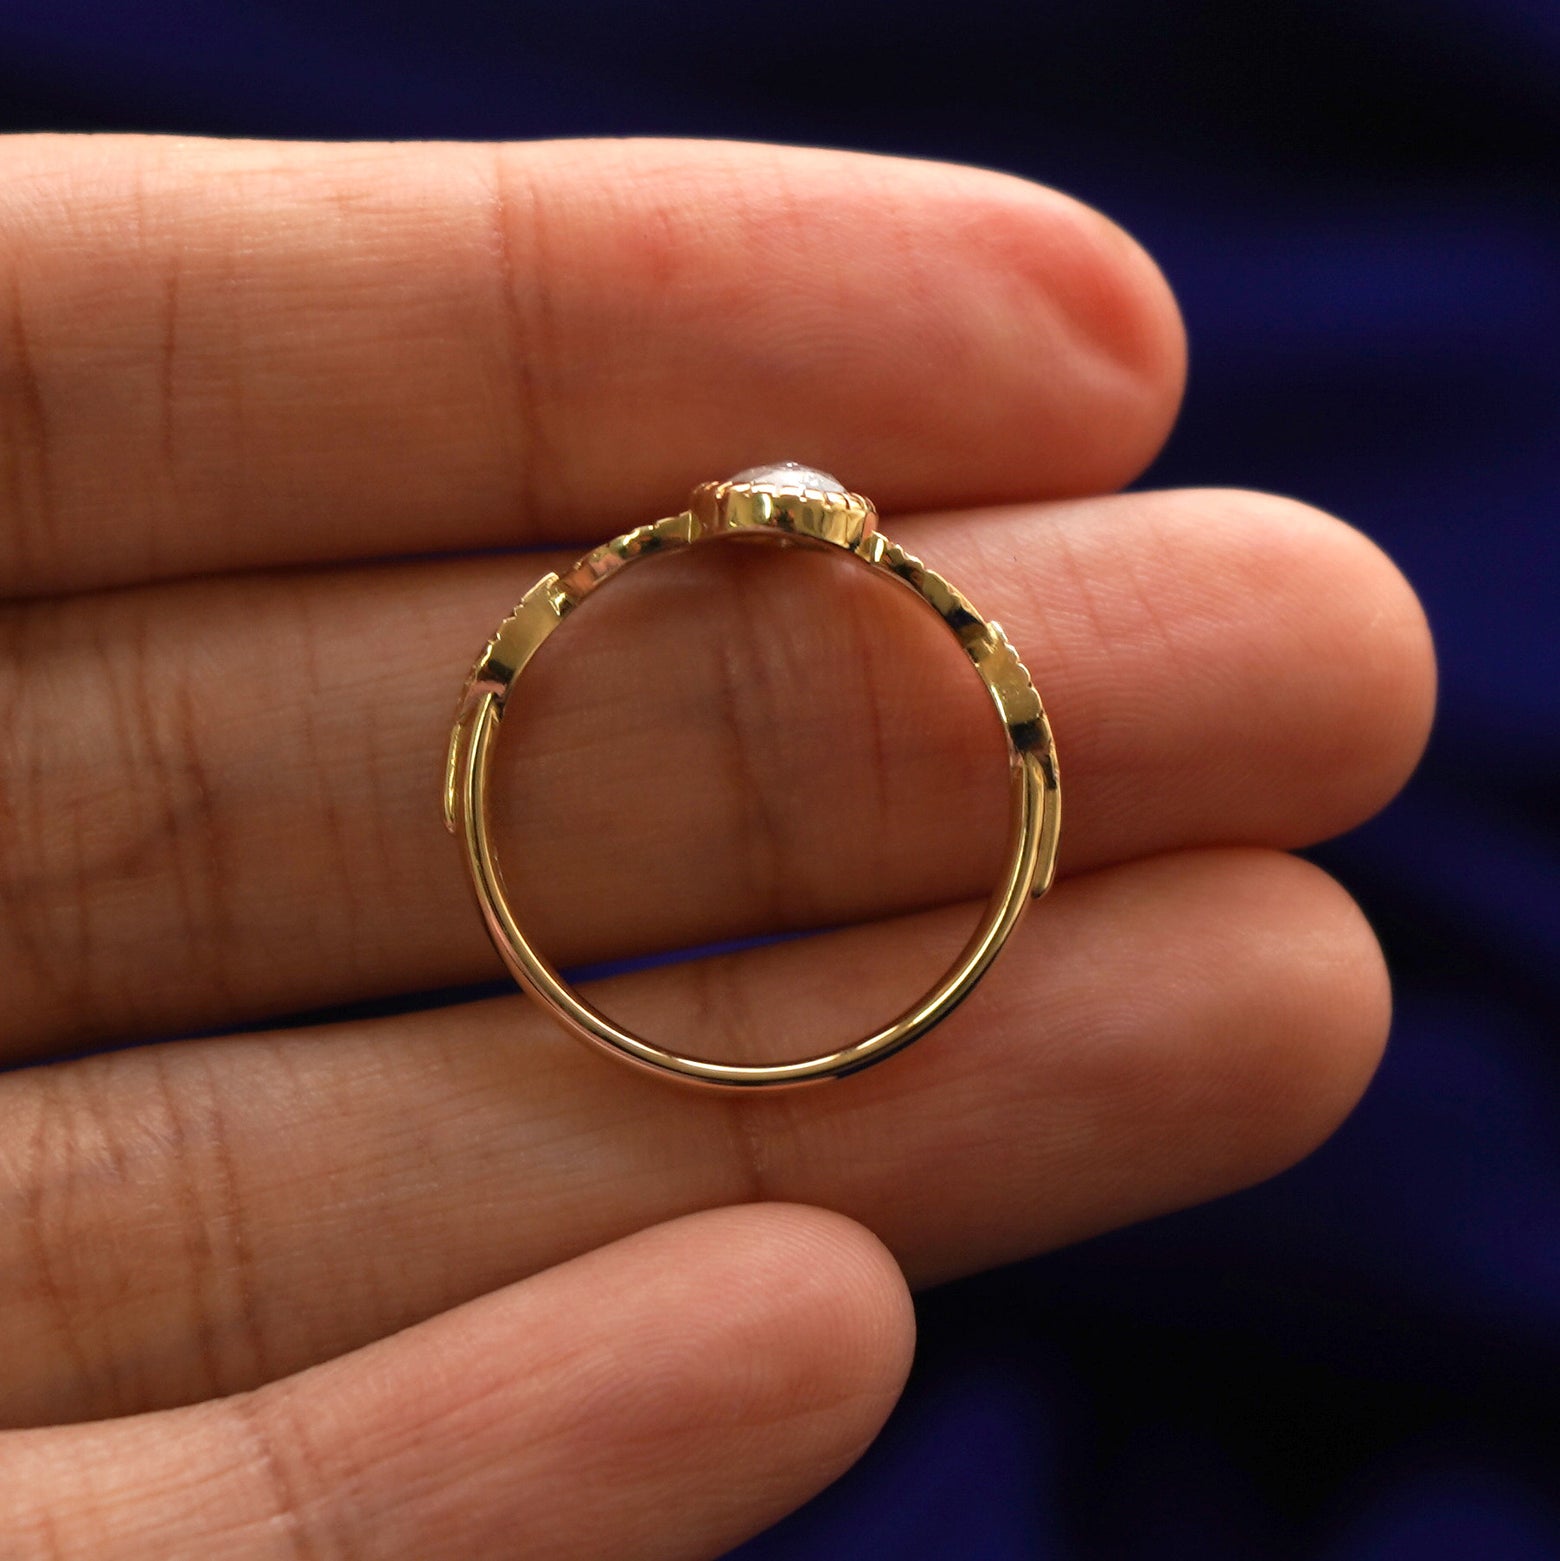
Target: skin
[{"x": 443, "y": 1283}]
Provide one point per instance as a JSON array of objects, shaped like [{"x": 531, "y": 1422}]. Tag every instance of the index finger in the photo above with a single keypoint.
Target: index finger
[{"x": 221, "y": 355}]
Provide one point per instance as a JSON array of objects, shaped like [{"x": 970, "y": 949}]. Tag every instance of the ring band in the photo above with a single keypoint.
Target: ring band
[{"x": 783, "y": 501}]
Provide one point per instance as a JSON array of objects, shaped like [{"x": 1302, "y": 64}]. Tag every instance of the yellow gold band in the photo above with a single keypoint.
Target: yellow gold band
[{"x": 780, "y": 502}]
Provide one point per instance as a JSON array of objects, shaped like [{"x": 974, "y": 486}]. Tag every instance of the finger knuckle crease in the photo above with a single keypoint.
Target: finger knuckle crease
[
  {"x": 524, "y": 283},
  {"x": 27, "y": 439},
  {"x": 306, "y": 1520}
]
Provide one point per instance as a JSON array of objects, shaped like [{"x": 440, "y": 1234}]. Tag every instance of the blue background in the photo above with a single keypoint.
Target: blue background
[{"x": 1358, "y": 202}]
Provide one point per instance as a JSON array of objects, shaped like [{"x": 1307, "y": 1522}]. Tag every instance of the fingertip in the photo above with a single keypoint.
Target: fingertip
[
  {"x": 1063, "y": 284},
  {"x": 1345, "y": 972},
  {"x": 1000, "y": 339},
  {"x": 1119, "y": 307},
  {"x": 1310, "y": 1000},
  {"x": 1308, "y": 638},
  {"x": 1368, "y": 645},
  {"x": 826, "y": 1289},
  {"x": 870, "y": 1317},
  {"x": 783, "y": 1346},
  {"x": 1396, "y": 653}
]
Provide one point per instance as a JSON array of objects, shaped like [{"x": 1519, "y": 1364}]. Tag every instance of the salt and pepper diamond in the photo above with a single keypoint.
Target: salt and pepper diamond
[
  {"x": 783, "y": 498},
  {"x": 791, "y": 475}
]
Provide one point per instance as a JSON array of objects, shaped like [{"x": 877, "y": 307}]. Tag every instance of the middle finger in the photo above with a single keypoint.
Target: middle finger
[{"x": 226, "y": 794}]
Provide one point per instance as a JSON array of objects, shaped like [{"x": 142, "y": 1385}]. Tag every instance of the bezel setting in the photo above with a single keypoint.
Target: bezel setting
[{"x": 787, "y": 499}]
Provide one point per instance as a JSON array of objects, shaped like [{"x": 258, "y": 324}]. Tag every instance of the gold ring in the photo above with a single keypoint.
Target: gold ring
[{"x": 784, "y": 501}]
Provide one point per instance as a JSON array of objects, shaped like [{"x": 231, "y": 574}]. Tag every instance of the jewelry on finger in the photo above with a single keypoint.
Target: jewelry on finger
[{"x": 784, "y": 501}]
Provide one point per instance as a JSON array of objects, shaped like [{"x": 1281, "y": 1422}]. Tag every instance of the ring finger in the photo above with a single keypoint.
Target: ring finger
[{"x": 189, "y": 1219}]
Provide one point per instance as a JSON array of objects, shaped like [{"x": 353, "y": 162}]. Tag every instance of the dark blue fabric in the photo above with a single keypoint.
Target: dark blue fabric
[{"x": 1357, "y": 202}]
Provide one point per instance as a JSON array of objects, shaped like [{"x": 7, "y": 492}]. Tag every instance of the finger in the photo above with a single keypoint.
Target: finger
[
  {"x": 667, "y": 1396},
  {"x": 224, "y": 799},
  {"x": 193, "y": 1219},
  {"x": 218, "y": 355}
]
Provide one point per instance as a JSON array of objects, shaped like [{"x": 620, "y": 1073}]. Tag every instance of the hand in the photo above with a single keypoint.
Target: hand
[{"x": 445, "y": 1284}]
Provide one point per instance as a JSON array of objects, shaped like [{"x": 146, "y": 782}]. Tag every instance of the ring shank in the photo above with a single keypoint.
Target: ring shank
[{"x": 1034, "y": 818}]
